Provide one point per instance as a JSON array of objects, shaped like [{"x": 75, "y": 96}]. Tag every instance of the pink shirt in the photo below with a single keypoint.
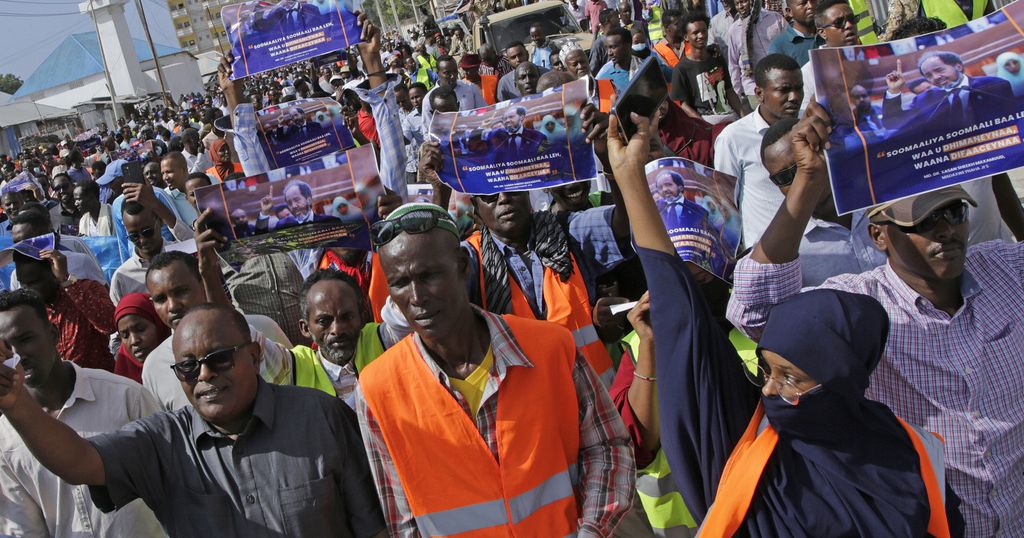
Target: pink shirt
[{"x": 592, "y": 10}]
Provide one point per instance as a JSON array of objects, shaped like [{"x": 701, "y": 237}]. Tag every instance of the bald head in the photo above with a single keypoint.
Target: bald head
[
  {"x": 553, "y": 79},
  {"x": 174, "y": 170}
]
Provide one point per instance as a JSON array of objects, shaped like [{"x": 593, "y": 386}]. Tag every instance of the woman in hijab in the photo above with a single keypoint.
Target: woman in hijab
[
  {"x": 220, "y": 154},
  {"x": 799, "y": 452},
  {"x": 141, "y": 331},
  {"x": 1009, "y": 68}
]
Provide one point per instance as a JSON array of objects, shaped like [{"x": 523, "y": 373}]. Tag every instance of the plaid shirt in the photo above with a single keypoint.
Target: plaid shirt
[
  {"x": 605, "y": 463},
  {"x": 246, "y": 141},
  {"x": 389, "y": 130},
  {"x": 959, "y": 376}
]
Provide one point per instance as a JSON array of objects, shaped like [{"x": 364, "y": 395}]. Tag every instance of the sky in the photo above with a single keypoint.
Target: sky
[{"x": 27, "y": 40}]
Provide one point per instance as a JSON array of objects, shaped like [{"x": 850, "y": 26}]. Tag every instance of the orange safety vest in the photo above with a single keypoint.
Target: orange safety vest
[
  {"x": 567, "y": 304},
  {"x": 489, "y": 87},
  {"x": 379, "y": 291},
  {"x": 750, "y": 457},
  {"x": 215, "y": 177},
  {"x": 665, "y": 51},
  {"x": 452, "y": 482},
  {"x": 605, "y": 94}
]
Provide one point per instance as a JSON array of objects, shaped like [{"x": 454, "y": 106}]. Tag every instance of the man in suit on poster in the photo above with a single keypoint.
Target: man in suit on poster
[
  {"x": 515, "y": 141},
  {"x": 954, "y": 101},
  {"x": 675, "y": 209}
]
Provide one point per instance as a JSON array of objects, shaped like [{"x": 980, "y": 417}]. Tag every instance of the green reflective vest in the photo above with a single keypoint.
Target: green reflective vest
[
  {"x": 310, "y": 373},
  {"x": 950, "y": 12},
  {"x": 654, "y": 31},
  {"x": 662, "y": 502},
  {"x": 865, "y": 22}
]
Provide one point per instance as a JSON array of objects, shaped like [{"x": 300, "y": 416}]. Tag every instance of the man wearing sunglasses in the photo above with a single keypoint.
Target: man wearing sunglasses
[
  {"x": 428, "y": 407},
  {"x": 836, "y": 26},
  {"x": 952, "y": 362},
  {"x": 269, "y": 460},
  {"x": 143, "y": 230},
  {"x": 831, "y": 245}
]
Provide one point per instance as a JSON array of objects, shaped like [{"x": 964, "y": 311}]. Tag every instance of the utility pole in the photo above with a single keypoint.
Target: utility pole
[
  {"x": 152, "y": 49},
  {"x": 106, "y": 68},
  {"x": 216, "y": 33},
  {"x": 394, "y": 12}
]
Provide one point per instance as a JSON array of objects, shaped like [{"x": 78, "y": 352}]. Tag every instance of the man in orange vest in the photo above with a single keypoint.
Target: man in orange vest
[
  {"x": 556, "y": 464},
  {"x": 670, "y": 47}
]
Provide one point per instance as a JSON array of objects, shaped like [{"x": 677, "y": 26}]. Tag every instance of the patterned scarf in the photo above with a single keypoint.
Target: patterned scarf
[{"x": 550, "y": 244}]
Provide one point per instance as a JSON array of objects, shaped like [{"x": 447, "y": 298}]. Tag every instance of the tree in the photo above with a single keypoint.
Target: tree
[{"x": 9, "y": 83}]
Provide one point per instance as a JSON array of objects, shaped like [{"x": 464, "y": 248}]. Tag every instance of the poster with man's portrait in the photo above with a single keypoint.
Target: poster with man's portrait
[{"x": 298, "y": 131}]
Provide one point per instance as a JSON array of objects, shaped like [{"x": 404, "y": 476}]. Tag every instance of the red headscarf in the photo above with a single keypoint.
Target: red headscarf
[
  {"x": 223, "y": 168},
  {"x": 140, "y": 305}
]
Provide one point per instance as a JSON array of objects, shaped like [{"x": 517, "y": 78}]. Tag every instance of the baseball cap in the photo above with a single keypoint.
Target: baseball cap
[
  {"x": 112, "y": 172},
  {"x": 64, "y": 153},
  {"x": 910, "y": 211}
]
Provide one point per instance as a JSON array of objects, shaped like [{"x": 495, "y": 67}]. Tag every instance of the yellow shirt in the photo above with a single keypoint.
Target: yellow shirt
[{"x": 472, "y": 388}]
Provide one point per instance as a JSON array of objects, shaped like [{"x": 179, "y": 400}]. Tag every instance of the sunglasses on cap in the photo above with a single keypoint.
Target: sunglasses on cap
[
  {"x": 145, "y": 232},
  {"x": 955, "y": 215},
  {"x": 784, "y": 177},
  {"x": 218, "y": 361},
  {"x": 418, "y": 221}
]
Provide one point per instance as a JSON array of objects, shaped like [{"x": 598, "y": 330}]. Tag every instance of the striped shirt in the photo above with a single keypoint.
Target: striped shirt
[
  {"x": 605, "y": 465},
  {"x": 960, "y": 376}
]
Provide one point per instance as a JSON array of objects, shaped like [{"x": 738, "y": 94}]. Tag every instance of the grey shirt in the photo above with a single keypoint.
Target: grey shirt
[{"x": 298, "y": 469}]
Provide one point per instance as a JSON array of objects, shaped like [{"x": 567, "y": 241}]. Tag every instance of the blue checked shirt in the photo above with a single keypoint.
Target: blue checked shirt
[
  {"x": 385, "y": 108},
  {"x": 959, "y": 376}
]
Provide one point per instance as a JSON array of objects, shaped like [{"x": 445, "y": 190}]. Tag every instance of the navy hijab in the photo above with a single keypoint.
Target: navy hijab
[{"x": 844, "y": 466}]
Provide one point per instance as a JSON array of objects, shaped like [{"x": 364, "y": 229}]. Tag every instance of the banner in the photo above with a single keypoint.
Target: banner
[
  {"x": 268, "y": 35},
  {"x": 303, "y": 130},
  {"x": 926, "y": 112},
  {"x": 330, "y": 202},
  {"x": 532, "y": 142},
  {"x": 696, "y": 204}
]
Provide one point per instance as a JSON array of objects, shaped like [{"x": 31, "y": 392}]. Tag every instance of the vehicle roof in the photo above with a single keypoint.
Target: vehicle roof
[{"x": 518, "y": 11}]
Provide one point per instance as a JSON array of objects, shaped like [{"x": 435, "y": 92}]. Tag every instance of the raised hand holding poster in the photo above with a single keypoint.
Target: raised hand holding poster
[
  {"x": 527, "y": 143},
  {"x": 923, "y": 113},
  {"x": 268, "y": 35}
]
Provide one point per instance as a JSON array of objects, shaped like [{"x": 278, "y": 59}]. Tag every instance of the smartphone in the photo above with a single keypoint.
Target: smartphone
[
  {"x": 132, "y": 172},
  {"x": 646, "y": 91}
]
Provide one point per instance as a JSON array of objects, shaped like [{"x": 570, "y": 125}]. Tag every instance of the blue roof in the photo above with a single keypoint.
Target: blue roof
[{"x": 78, "y": 57}]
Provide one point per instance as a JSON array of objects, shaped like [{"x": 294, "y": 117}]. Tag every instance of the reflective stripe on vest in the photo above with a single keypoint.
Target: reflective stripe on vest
[
  {"x": 453, "y": 483},
  {"x": 567, "y": 304},
  {"x": 950, "y": 12},
  {"x": 748, "y": 460},
  {"x": 864, "y": 22},
  {"x": 654, "y": 31}
]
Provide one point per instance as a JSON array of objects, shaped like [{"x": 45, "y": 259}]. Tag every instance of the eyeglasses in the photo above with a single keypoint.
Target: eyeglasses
[
  {"x": 788, "y": 391},
  {"x": 955, "y": 215},
  {"x": 419, "y": 221},
  {"x": 784, "y": 177},
  {"x": 145, "y": 232},
  {"x": 841, "y": 22},
  {"x": 218, "y": 361}
]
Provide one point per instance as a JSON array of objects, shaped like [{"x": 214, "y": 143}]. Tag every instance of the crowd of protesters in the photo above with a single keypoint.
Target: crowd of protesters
[{"x": 467, "y": 375}]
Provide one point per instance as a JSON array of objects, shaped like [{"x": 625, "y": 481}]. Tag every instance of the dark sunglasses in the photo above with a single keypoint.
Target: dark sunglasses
[
  {"x": 146, "y": 232},
  {"x": 841, "y": 22},
  {"x": 955, "y": 215},
  {"x": 218, "y": 361},
  {"x": 421, "y": 221},
  {"x": 784, "y": 177}
]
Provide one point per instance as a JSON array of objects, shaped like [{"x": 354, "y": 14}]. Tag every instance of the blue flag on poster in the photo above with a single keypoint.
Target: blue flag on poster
[
  {"x": 923, "y": 113},
  {"x": 303, "y": 130},
  {"x": 696, "y": 204},
  {"x": 328, "y": 202},
  {"x": 532, "y": 142},
  {"x": 31, "y": 247},
  {"x": 268, "y": 35}
]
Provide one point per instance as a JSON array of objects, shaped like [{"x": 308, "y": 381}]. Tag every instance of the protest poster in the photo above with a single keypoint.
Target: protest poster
[
  {"x": 303, "y": 130},
  {"x": 460, "y": 205},
  {"x": 329, "y": 202},
  {"x": 528, "y": 143},
  {"x": 923, "y": 113},
  {"x": 696, "y": 204},
  {"x": 32, "y": 247},
  {"x": 268, "y": 35}
]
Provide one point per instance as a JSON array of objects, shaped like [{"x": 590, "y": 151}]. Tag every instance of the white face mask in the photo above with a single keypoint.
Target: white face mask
[{"x": 639, "y": 47}]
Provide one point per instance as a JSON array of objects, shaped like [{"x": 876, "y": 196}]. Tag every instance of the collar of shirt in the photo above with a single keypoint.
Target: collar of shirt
[
  {"x": 308, "y": 217},
  {"x": 335, "y": 371},
  {"x": 969, "y": 287},
  {"x": 173, "y": 193},
  {"x": 509, "y": 251},
  {"x": 855, "y": 223},
  {"x": 82, "y": 390},
  {"x": 795, "y": 36},
  {"x": 262, "y": 410},
  {"x": 755, "y": 121},
  {"x": 507, "y": 352}
]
